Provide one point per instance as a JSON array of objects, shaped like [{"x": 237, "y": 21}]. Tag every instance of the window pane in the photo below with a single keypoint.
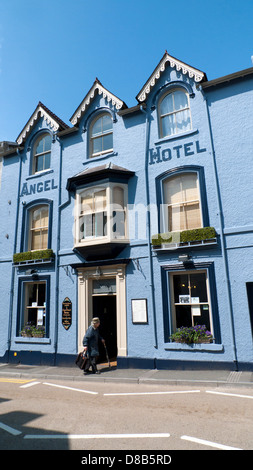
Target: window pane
[
  {"x": 192, "y": 217},
  {"x": 183, "y": 121},
  {"x": 107, "y": 123},
  {"x": 47, "y": 143},
  {"x": 100, "y": 200},
  {"x": 183, "y": 316},
  {"x": 44, "y": 217},
  {"x": 118, "y": 224},
  {"x": 100, "y": 224},
  {"x": 97, "y": 127},
  {"x": 167, "y": 105},
  {"x": 86, "y": 202},
  {"x": 189, "y": 187},
  {"x": 104, "y": 286},
  {"x": 41, "y": 294},
  {"x": 39, "y": 163},
  {"x": 198, "y": 286},
  {"x": 180, "y": 100},
  {"x": 44, "y": 239},
  {"x": 97, "y": 145},
  {"x": 107, "y": 142},
  {"x": 88, "y": 230},
  {"x": 36, "y": 218},
  {"x": 180, "y": 286},
  {"x": 47, "y": 158},
  {"x": 39, "y": 147},
  {"x": 36, "y": 240},
  {"x": 176, "y": 218},
  {"x": 118, "y": 197},
  {"x": 168, "y": 125}
]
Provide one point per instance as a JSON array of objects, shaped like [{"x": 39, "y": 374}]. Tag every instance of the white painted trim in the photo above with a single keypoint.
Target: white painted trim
[
  {"x": 97, "y": 86},
  {"x": 196, "y": 74},
  {"x": 39, "y": 112}
]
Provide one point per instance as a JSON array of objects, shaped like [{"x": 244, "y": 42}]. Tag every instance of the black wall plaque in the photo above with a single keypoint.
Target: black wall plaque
[{"x": 66, "y": 313}]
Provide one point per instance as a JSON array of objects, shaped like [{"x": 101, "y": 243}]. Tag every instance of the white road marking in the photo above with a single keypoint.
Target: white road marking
[
  {"x": 96, "y": 436},
  {"x": 10, "y": 430},
  {"x": 229, "y": 394},
  {"x": 71, "y": 388},
  {"x": 29, "y": 385},
  {"x": 209, "y": 443},
  {"x": 150, "y": 393}
]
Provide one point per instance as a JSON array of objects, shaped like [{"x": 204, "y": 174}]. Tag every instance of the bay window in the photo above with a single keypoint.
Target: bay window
[{"x": 101, "y": 213}]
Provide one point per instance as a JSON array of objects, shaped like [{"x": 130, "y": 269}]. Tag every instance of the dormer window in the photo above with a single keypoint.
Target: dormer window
[
  {"x": 42, "y": 153},
  {"x": 174, "y": 113},
  {"x": 101, "y": 135}
]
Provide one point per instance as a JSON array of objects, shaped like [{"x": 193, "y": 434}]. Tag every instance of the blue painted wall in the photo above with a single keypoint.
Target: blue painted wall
[{"x": 220, "y": 139}]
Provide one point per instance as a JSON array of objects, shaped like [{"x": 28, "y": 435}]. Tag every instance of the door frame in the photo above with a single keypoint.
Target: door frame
[{"x": 85, "y": 309}]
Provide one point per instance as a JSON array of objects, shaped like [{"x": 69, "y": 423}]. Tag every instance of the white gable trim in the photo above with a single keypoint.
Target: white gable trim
[
  {"x": 180, "y": 66},
  {"x": 39, "y": 111},
  {"x": 97, "y": 86}
]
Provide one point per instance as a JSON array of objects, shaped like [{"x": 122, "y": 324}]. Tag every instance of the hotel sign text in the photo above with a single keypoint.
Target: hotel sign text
[
  {"x": 183, "y": 150},
  {"x": 37, "y": 187}
]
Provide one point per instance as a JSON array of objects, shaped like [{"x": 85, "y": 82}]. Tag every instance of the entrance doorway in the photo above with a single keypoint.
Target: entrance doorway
[
  {"x": 104, "y": 307},
  {"x": 102, "y": 293}
]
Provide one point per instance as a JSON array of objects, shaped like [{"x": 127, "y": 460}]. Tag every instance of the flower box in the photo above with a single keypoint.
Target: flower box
[
  {"x": 192, "y": 335},
  {"x": 200, "y": 236},
  {"x": 31, "y": 331}
]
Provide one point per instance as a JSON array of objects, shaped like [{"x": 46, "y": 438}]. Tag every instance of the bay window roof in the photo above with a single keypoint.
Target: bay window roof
[{"x": 109, "y": 170}]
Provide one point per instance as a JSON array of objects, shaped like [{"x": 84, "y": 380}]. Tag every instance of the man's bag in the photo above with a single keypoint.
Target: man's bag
[{"x": 81, "y": 360}]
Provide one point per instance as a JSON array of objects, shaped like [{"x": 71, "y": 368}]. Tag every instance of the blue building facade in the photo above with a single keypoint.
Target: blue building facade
[{"x": 141, "y": 216}]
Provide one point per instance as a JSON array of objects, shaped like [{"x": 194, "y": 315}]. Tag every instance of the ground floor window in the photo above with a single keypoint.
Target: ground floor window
[
  {"x": 190, "y": 300},
  {"x": 34, "y": 310}
]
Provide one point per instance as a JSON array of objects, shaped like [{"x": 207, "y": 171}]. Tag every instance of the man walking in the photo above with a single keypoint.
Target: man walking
[{"x": 90, "y": 342}]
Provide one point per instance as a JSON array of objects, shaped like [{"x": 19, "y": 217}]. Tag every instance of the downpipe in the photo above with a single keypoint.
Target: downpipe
[
  {"x": 222, "y": 237},
  {"x": 151, "y": 271}
]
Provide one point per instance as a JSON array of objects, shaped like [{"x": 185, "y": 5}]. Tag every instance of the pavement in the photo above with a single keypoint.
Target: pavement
[{"x": 214, "y": 378}]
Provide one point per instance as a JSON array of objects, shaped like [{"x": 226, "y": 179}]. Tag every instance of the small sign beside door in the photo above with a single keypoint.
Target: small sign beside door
[{"x": 66, "y": 313}]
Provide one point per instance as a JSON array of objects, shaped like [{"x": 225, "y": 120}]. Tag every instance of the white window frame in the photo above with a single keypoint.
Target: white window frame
[
  {"x": 109, "y": 208},
  {"x": 35, "y": 307},
  {"x": 165, "y": 206},
  {"x": 40, "y": 154},
  {"x": 174, "y": 304},
  {"x": 101, "y": 135},
  {"x": 174, "y": 113},
  {"x": 31, "y": 230}
]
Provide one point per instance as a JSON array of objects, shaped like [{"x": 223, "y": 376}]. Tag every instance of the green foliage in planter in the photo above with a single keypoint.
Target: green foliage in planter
[
  {"x": 185, "y": 236},
  {"x": 30, "y": 255}
]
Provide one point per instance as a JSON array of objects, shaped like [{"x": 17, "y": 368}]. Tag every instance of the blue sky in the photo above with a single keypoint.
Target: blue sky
[{"x": 52, "y": 50}]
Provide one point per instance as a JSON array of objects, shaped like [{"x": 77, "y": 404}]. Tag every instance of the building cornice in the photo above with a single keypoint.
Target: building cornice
[{"x": 196, "y": 74}]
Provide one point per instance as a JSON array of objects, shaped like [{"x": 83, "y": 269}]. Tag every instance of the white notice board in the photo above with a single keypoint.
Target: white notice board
[{"x": 139, "y": 311}]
